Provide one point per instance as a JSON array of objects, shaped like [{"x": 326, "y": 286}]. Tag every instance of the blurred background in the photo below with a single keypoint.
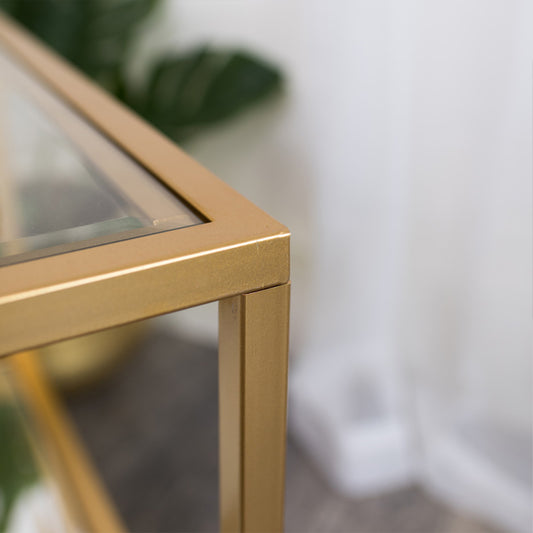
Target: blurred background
[{"x": 394, "y": 139}]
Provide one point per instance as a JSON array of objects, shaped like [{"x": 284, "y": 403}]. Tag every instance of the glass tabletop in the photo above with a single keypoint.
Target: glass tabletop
[{"x": 63, "y": 185}]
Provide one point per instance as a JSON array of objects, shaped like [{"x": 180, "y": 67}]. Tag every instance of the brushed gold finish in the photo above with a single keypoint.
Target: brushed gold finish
[
  {"x": 120, "y": 296},
  {"x": 253, "y": 350},
  {"x": 240, "y": 249}
]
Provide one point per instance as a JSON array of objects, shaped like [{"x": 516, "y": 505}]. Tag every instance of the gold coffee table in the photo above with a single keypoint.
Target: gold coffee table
[{"x": 103, "y": 221}]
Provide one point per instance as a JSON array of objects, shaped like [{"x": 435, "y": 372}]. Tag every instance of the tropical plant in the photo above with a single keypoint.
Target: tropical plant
[{"x": 183, "y": 93}]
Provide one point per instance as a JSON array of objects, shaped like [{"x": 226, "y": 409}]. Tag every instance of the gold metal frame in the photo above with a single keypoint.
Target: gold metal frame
[{"x": 239, "y": 256}]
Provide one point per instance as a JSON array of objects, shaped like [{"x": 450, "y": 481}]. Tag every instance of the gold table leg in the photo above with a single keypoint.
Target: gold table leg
[{"x": 253, "y": 347}]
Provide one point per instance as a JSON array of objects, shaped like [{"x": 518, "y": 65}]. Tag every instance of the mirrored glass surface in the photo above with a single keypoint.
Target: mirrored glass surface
[{"x": 63, "y": 184}]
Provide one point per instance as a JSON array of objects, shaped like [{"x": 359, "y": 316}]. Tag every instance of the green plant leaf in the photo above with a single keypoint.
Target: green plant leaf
[
  {"x": 56, "y": 22},
  {"x": 95, "y": 35},
  {"x": 182, "y": 95},
  {"x": 241, "y": 81},
  {"x": 18, "y": 469},
  {"x": 169, "y": 92},
  {"x": 186, "y": 93}
]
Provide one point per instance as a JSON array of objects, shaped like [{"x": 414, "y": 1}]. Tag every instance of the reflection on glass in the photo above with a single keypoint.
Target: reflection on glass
[{"x": 63, "y": 185}]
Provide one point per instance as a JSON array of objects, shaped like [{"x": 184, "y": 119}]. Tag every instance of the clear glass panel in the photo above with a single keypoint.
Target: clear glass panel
[
  {"x": 31, "y": 498},
  {"x": 63, "y": 185}
]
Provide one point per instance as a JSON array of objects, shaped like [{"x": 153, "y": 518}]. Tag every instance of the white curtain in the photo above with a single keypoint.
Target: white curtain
[
  {"x": 401, "y": 160},
  {"x": 420, "y": 357}
]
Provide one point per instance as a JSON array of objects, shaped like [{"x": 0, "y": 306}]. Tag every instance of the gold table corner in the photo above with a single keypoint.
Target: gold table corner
[{"x": 238, "y": 256}]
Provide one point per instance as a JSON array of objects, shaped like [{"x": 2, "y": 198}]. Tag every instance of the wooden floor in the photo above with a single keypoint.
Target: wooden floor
[{"x": 152, "y": 431}]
